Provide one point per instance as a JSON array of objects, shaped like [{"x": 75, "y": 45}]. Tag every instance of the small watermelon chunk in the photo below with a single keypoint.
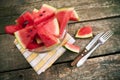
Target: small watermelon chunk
[
  {"x": 25, "y": 36},
  {"x": 45, "y": 13},
  {"x": 84, "y": 32},
  {"x": 26, "y": 19},
  {"x": 10, "y": 29},
  {"x": 63, "y": 16},
  {"x": 48, "y": 39},
  {"x": 72, "y": 47}
]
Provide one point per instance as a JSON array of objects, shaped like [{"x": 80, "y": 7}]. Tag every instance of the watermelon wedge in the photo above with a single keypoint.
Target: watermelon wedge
[
  {"x": 74, "y": 16},
  {"x": 72, "y": 47},
  {"x": 48, "y": 39},
  {"x": 10, "y": 29},
  {"x": 45, "y": 13},
  {"x": 63, "y": 16},
  {"x": 84, "y": 32},
  {"x": 25, "y": 36},
  {"x": 52, "y": 27},
  {"x": 26, "y": 19}
]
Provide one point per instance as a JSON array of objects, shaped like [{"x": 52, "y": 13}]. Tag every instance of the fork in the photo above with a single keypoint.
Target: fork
[{"x": 101, "y": 41}]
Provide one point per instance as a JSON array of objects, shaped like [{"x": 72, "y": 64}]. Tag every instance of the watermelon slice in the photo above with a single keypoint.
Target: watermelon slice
[
  {"x": 25, "y": 36},
  {"x": 26, "y": 19},
  {"x": 72, "y": 47},
  {"x": 63, "y": 16},
  {"x": 52, "y": 27},
  {"x": 10, "y": 29},
  {"x": 74, "y": 16},
  {"x": 44, "y": 13},
  {"x": 48, "y": 39},
  {"x": 84, "y": 32}
]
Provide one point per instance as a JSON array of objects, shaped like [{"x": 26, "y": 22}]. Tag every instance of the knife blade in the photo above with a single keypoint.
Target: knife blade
[{"x": 87, "y": 48}]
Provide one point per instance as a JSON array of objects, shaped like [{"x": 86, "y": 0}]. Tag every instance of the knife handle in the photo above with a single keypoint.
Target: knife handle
[{"x": 83, "y": 53}]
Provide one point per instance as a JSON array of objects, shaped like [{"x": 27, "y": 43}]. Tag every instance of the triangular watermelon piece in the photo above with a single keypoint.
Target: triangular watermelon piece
[
  {"x": 51, "y": 26},
  {"x": 48, "y": 39},
  {"x": 26, "y": 19},
  {"x": 25, "y": 36},
  {"x": 84, "y": 32},
  {"x": 63, "y": 16},
  {"x": 44, "y": 14}
]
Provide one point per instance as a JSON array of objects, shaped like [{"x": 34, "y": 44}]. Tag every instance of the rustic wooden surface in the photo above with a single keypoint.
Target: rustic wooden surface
[{"x": 103, "y": 64}]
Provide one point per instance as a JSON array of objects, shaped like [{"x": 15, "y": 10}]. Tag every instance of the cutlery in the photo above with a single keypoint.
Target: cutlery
[
  {"x": 100, "y": 41},
  {"x": 87, "y": 48}
]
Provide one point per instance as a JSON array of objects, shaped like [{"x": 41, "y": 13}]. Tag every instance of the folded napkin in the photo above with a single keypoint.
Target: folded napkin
[{"x": 41, "y": 62}]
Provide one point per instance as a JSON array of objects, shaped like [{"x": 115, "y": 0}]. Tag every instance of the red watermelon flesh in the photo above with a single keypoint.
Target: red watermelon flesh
[
  {"x": 48, "y": 39},
  {"x": 26, "y": 19},
  {"x": 63, "y": 17},
  {"x": 84, "y": 32},
  {"x": 34, "y": 45},
  {"x": 44, "y": 13},
  {"x": 25, "y": 36},
  {"x": 10, "y": 29}
]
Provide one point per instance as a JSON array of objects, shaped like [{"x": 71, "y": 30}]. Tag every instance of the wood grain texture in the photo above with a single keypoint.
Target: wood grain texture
[
  {"x": 12, "y": 58},
  {"x": 100, "y": 68},
  {"x": 87, "y": 9}
]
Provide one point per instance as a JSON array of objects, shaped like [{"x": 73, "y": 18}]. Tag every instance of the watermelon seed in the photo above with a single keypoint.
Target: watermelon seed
[
  {"x": 30, "y": 30},
  {"x": 40, "y": 14},
  {"x": 25, "y": 23},
  {"x": 44, "y": 11}
]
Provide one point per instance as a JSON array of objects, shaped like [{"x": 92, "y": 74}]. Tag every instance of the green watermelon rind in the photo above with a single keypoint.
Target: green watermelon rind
[
  {"x": 57, "y": 31},
  {"x": 84, "y": 36},
  {"x": 19, "y": 40},
  {"x": 50, "y": 7}
]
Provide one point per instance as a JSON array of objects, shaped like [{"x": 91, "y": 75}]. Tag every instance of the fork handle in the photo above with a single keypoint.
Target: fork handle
[
  {"x": 83, "y": 59},
  {"x": 83, "y": 53}
]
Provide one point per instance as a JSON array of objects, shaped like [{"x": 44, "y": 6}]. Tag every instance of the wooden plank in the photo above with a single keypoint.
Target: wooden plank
[
  {"x": 87, "y": 9},
  {"x": 12, "y": 58},
  {"x": 100, "y": 68},
  {"x": 10, "y": 3}
]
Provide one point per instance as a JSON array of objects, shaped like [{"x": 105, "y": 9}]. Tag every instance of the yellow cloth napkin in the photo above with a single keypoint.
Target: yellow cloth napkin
[{"x": 41, "y": 62}]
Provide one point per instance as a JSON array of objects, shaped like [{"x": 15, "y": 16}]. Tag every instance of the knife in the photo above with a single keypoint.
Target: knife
[{"x": 87, "y": 48}]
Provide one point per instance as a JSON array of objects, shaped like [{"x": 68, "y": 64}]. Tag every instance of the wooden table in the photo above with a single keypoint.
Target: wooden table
[{"x": 103, "y": 64}]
